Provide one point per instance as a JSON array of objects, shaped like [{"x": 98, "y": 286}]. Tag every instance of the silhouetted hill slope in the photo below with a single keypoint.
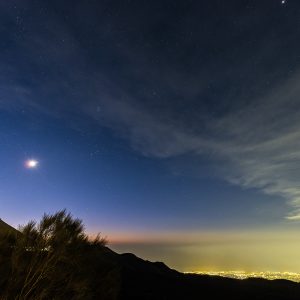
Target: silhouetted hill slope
[
  {"x": 142, "y": 279},
  {"x": 115, "y": 276},
  {"x": 5, "y": 227}
]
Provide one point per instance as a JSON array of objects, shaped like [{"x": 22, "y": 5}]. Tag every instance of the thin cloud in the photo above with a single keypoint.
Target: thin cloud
[
  {"x": 256, "y": 142},
  {"x": 258, "y": 145}
]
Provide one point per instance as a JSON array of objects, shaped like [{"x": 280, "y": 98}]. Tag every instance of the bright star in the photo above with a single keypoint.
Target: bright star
[
  {"x": 283, "y": 1},
  {"x": 31, "y": 163}
]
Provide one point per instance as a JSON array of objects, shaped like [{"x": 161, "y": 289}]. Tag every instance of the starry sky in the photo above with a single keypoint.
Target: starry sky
[{"x": 172, "y": 127}]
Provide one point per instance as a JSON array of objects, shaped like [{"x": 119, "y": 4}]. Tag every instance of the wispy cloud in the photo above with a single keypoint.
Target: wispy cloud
[
  {"x": 263, "y": 145},
  {"x": 256, "y": 141},
  {"x": 257, "y": 145}
]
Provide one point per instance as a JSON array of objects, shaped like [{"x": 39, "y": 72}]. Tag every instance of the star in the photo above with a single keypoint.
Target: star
[
  {"x": 31, "y": 163},
  {"x": 283, "y": 1}
]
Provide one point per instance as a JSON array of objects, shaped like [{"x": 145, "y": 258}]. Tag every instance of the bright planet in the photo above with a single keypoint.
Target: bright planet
[{"x": 31, "y": 163}]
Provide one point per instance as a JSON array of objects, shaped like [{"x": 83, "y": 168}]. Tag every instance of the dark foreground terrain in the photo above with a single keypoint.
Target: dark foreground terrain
[
  {"x": 146, "y": 280},
  {"x": 90, "y": 271}
]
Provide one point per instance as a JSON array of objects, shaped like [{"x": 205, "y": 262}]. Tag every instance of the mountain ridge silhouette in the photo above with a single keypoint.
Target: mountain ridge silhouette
[
  {"x": 4, "y": 227},
  {"x": 136, "y": 278}
]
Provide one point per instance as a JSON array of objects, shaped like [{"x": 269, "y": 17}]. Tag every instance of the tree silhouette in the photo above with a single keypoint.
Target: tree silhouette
[{"x": 48, "y": 260}]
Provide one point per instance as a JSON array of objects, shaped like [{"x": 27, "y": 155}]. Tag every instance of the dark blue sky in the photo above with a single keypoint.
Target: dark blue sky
[{"x": 151, "y": 116}]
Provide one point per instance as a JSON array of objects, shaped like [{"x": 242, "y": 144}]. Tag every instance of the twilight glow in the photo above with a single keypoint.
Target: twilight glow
[{"x": 171, "y": 127}]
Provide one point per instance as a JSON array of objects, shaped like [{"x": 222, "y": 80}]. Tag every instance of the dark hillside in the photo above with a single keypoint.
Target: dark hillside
[
  {"x": 146, "y": 280},
  {"x": 4, "y": 228},
  {"x": 112, "y": 276}
]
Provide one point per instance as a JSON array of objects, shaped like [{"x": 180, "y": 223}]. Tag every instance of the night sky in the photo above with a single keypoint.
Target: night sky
[{"x": 171, "y": 127}]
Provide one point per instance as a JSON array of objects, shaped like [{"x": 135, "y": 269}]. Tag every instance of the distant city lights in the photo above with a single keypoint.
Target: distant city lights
[{"x": 244, "y": 275}]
